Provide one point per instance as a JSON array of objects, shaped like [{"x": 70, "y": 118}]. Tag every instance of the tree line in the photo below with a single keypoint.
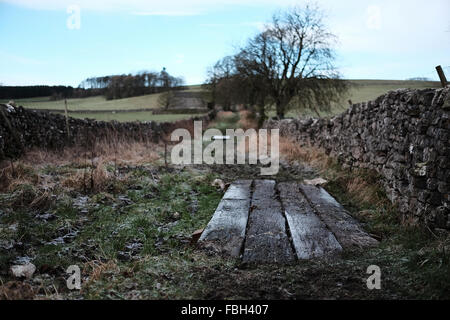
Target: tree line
[
  {"x": 17, "y": 92},
  {"x": 130, "y": 85},
  {"x": 112, "y": 87},
  {"x": 289, "y": 65}
]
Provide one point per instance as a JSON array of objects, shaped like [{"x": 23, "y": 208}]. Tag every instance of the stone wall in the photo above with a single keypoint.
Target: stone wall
[
  {"x": 403, "y": 135},
  {"x": 22, "y": 129}
]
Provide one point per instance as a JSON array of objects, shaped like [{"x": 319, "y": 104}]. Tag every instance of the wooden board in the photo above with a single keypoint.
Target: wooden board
[
  {"x": 225, "y": 232},
  {"x": 267, "y": 223},
  {"x": 238, "y": 190},
  {"x": 264, "y": 190},
  {"x": 310, "y": 236},
  {"x": 266, "y": 241},
  {"x": 345, "y": 228}
]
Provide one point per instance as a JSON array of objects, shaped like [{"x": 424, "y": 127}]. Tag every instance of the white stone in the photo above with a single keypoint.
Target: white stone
[
  {"x": 26, "y": 270},
  {"x": 10, "y": 108},
  {"x": 315, "y": 182},
  {"x": 219, "y": 183}
]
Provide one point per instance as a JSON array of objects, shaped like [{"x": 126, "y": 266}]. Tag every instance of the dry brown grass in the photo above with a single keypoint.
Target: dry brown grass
[
  {"x": 224, "y": 115},
  {"x": 26, "y": 195},
  {"x": 122, "y": 153},
  {"x": 127, "y": 153},
  {"x": 247, "y": 120},
  {"x": 95, "y": 178},
  {"x": 292, "y": 151},
  {"x": 16, "y": 290},
  {"x": 21, "y": 180},
  {"x": 93, "y": 160},
  {"x": 16, "y": 173},
  {"x": 97, "y": 269},
  {"x": 362, "y": 190},
  {"x": 360, "y": 186}
]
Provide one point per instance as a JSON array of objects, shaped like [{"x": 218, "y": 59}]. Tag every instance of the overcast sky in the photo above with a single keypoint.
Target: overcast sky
[{"x": 47, "y": 42}]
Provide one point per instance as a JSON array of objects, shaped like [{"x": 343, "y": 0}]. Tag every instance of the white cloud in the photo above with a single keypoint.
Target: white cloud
[{"x": 144, "y": 7}]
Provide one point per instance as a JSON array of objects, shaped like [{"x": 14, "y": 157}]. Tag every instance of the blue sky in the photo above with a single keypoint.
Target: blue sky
[{"x": 41, "y": 42}]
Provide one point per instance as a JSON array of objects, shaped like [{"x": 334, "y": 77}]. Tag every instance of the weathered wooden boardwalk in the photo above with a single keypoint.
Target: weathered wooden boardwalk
[{"x": 261, "y": 221}]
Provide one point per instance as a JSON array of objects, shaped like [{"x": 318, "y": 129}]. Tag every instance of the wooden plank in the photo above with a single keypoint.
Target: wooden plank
[
  {"x": 264, "y": 189},
  {"x": 238, "y": 190},
  {"x": 225, "y": 232},
  {"x": 266, "y": 241},
  {"x": 345, "y": 228},
  {"x": 310, "y": 235}
]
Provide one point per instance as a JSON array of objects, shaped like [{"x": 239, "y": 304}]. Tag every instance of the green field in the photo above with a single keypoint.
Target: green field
[
  {"x": 83, "y": 107},
  {"x": 366, "y": 90},
  {"x": 360, "y": 91},
  {"x": 97, "y": 103},
  {"x": 149, "y": 101}
]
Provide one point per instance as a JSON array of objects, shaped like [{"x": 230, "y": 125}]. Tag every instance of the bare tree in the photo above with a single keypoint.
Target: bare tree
[
  {"x": 293, "y": 58},
  {"x": 220, "y": 82},
  {"x": 165, "y": 99}
]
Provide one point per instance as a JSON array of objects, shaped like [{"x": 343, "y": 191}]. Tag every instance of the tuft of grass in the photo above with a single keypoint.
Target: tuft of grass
[
  {"x": 95, "y": 179},
  {"x": 16, "y": 290},
  {"x": 26, "y": 195},
  {"x": 13, "y": 174}
]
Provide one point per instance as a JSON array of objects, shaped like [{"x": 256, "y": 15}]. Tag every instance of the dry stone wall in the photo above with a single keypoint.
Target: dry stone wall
[
  {"x": 403, "y": 135},
  {"x": 22, "y": 129}
]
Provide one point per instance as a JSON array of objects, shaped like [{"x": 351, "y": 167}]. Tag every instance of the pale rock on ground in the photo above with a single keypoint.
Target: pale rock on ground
[
  {"x": 26, "y": 270},
  {"x": 219, "y": 183},
  {"x": 316, "y": 182}
]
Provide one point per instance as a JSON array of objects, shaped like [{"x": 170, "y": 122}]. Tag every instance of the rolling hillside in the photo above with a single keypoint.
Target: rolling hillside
[{"x": 128, "y": 109}]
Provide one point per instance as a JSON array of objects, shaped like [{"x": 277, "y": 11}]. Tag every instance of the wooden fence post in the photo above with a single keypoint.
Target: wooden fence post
[
  {"x": 442, "y": 76},
  {"x": 67, "y": 120}
]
